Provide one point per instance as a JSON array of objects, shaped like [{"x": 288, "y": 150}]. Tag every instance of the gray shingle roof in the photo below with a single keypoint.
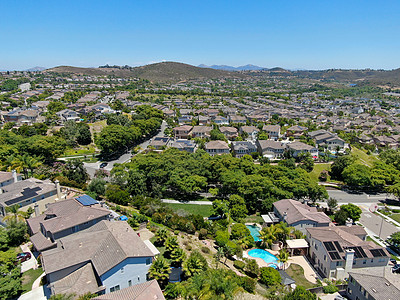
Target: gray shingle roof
[
  {"x": 297, "y": 211},
  {"x": 144, "y": 291},
  {"x": 379, "y": 282},
  {"x": 105, "y": 244}
]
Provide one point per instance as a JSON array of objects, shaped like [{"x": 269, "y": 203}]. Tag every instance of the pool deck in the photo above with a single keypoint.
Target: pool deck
[{"x": 309, "y": 272}]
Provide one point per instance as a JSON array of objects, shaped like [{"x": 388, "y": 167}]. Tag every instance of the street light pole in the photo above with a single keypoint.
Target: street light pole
[{"x": 380, "y": 231}]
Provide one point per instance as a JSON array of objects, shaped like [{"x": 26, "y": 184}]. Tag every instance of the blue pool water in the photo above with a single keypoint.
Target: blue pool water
[
  {"x": 255, "y": 232},
  {"x": 266, "y": 256}
]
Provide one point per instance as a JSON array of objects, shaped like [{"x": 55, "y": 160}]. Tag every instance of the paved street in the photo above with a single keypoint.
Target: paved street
[
  {"x": 377, "y": 225},
  {"x": 92, "y": 167},
  {"x": 346, "y": 197},
  {"x": 187, "y": 202}
]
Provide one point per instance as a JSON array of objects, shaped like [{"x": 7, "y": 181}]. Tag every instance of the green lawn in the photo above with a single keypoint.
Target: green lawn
[
  {"x": 395, "y": 217},
  {"x": 317, "y": 170},
  {"x": 370, "y": 239},
  {"x": 253, "y": 219},
  {"x": 203, "y": 210},
  {"x": 297, "y": 273},
  {"x": 29, "y": 277},
  {"x": 363, "y": 157}
]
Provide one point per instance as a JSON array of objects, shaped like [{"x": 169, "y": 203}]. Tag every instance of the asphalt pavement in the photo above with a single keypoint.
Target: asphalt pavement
[
  {"x": 377, "y": 224},
  {"x": 344, "y": 197}
]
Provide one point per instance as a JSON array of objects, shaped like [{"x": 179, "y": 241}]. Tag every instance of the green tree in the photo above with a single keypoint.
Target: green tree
[
  {"x": 171, "y": 243},
  {"x": 10, "y": 281},
  {"x": 352, "y": 211},
  {"x": 84, "y": 135},
  {"x": 357, "y": 175},
  {"x": 14, "y": 214},
  {"x": 237, "y": 207},
  {"x": 178, "y": 256},
  {"x": 269, "y": 276},
  {"x": 160, "y": 270},
  {"x": 62, "y": 297},
  {"x": 98, "y": 186},
  {"x": 195, "y": 264},
  {"x": 300, "y": 293},
  {"x": 283, "y": 257},
  {"x": 252, "y": 268},
  {"x": 115, "y": 194},
  {"x": 338, "y": 166},
  {"x": 75, "y": 171},
  {"x": 162, "y": 235},
  {"x": 394, "y": 240},
  {"x": 16, "y": 232}
]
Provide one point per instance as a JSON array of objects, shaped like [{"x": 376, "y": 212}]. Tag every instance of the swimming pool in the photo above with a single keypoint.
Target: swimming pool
[
  {"x": 255, "y": 232},
  {"x": 266, "y": 256}
]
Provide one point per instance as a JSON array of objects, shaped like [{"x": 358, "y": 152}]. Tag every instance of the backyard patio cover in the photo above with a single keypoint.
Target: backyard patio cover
[{"x": 297, "y": 244}]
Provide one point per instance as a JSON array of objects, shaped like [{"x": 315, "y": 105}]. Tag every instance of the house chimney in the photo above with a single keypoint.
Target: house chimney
[
  {"x": 37, "y": 212},
  {"x": 349, "y": 260},
  {"x": 14, "y": 175},
  {"x": 285, "y": 216},
  {"x": 58, "y": 189},
  {"x": 349, "y": 222}
]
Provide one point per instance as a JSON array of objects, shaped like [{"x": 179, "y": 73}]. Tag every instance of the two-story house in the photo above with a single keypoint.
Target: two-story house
[
  {"x": 7, "y": 178},
  {"x": 217, "y": 148},
  {"x": 64, "y": 218},
  {"x": 201, "y": 131},
  {"x": 298, "y": 148},
  {"x": 300, "y": 215},
  {"x": 250, "y": 131},
  {"x": 335, "y": 250},
  {"x": 104, "y": 258},
  {"x": 273, "y": 131},
  {"x": 67, "y": 115},
  {"x": 241, "y": 148},
  {"x": 182, "y": 132},
  {"x": 270, "y": 149},
  {"x": 230, "y": 133}
]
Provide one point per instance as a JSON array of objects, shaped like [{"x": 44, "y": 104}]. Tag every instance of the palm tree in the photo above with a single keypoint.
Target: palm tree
[
  {"x": 160, "y": 270},
  {"x": 33, "y": 162},
  {"x": 178, "y": 256},
  {"x": 195, "y": 264},
  {"x": 218, "y": 256},
  {"x": 283, "y": 257},
  {"x": 161, "y": 235},
  {"x": 63, "y": 297},
  {"x": 14, "y": 214},
  {"x": 269, "y": 235},
  {"x": 171, "y": 243},
  {"x": 284, "y": 231}
]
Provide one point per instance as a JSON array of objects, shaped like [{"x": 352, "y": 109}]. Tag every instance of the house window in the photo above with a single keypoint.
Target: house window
[
  {"x": 122, "y": 270},
  {"x": 138, "y": 278},
  {"x": 129, "y": 282},
  {"x": 115, "y": 288},
  {"x": 148, "y": 261},
  {"x": 364, "y": 261},
  {"x": 324, "y": 257}
]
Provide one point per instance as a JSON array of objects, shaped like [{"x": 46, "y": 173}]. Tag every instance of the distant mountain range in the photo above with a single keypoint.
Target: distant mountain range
[
  {"x": 158, "y": 72},
  {"x": 248, "y": 67},
  {"x": 36, "y": 69}
]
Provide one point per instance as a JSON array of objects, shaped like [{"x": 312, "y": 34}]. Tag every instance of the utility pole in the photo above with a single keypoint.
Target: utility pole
[{"x": 380, "y": 231}]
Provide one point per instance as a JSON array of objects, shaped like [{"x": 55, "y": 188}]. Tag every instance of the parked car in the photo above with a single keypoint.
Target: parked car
[
  {"x": 103, "y": 165},
  {"x": 24, "y": 256},
  {"x": 393, "y": 261}
]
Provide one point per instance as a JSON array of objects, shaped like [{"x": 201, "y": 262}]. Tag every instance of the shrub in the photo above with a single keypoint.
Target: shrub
[
  {"x": 248, "y": 284},
  {"x": 205, "y": 249},
  {"x": 189, "y": 247},
  {"x": 176, "y": 232},
  {"x": 330, "y": 289},
  {"x": 252, "y": 268},
  {"x": 238, "y": 264},
  {"x": 269, "y": 276},
  {"x": 203, "y": 233}
]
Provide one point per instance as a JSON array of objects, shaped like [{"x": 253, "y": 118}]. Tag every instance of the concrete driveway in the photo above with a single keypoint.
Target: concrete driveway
[{"x": 30, "y": 263}]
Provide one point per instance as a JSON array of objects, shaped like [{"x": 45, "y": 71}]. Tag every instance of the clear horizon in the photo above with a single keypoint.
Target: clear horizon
[{"x": 311, "y": 35}]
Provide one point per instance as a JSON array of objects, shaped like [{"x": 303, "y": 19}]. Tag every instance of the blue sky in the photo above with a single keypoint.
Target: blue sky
[{"x": 289, "y": 34}]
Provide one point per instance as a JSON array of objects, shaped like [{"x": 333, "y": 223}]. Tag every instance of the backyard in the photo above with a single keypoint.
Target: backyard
[
  {"x": 297, "y": 273},
  {"x": 203, "y": 210},
  {"x": 29, "y": 277}
]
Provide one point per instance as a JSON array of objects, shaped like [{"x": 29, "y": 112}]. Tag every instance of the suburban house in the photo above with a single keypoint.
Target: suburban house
[
  {"x": 273, "y": 131},
  {"x": 296, "y": 131},
  {"x": 104, "y": 258},
  {"x": 185, "y": 119},
  {"x": 241, "y": 148},
  {"x": 67, "y": 115},
  {"x": 219, "y": 120},
  {"x": 27, "y": 193},
  {"x": 184, "y": 145},
  {"x": 270, "y": 149},
  {"x": 327, "y": 139},
  {"x": 230, "y": 133},
  {"x": 201, "y": 131},
  {"x": 250, "y": 131},
  {"x": 378, "y": 283},
  {"x": 336, "y": 250},
  {"x": 299, "y": 215},
  {"x": 7, "y": 178},
  {"x": 21, "y": 116},
  {"x": 182, "y": 132},
  {"x": 298, "y": 148},
  {"x": 257, "y": 118},
  {"x": 63, "y": 218},
  {"x": 236, "y": 119},
  {"x": 143, "y": 291},
  {"x": 203, "y": 120},
  {"x": 159, "y": 142},
  {"x": 217, "y": 148}
]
